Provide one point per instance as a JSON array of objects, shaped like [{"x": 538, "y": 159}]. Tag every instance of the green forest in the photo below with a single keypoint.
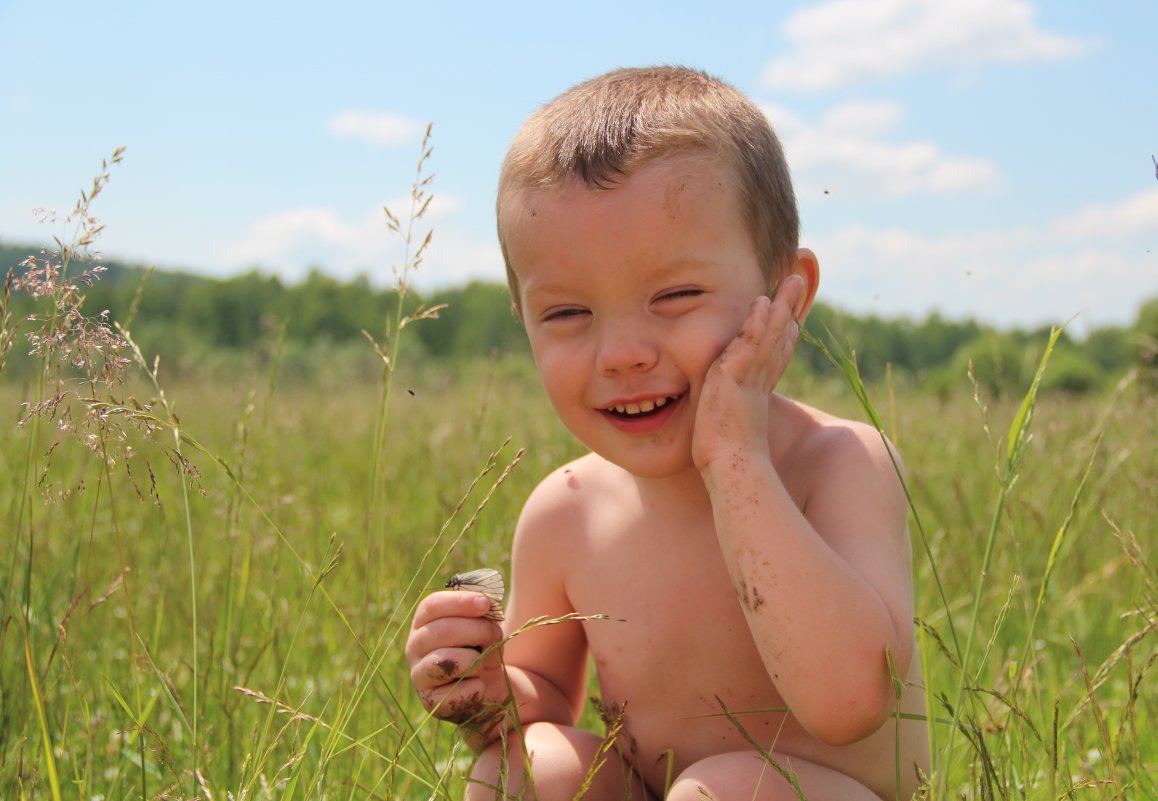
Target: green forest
[{"x": 196, "y": 324}]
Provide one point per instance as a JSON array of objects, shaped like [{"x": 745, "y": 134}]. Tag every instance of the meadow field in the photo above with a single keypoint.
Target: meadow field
[
  {"x": 221, "y": 614},
  {"x": 209, "y": 574}
]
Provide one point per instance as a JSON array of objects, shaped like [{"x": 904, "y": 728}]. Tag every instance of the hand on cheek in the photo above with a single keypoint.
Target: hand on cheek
[{"x": 732, "y": 414}]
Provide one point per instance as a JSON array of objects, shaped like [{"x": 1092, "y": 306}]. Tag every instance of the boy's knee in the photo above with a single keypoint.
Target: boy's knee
[
  {"x": 559, "y": 758},
  {"x": 716, "y": 778},
  {"x": 747, "y": 775}
]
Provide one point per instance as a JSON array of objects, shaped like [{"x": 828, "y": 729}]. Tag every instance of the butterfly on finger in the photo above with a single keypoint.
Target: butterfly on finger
[{"x": 485, "y": 580}]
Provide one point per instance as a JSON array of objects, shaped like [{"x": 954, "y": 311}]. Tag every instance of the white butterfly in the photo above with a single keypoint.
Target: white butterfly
[{"x": 486, "y": 580}]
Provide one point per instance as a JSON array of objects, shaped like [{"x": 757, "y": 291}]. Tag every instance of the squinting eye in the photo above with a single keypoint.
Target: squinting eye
[
  {"x": 682, "y": 293},
  {"x": 562, "y": 314}
]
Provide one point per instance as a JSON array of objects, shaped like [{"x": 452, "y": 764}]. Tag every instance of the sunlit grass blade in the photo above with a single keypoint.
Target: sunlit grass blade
[
  {"x": 46, "y": 743},
  {"x": 770, "y": 759},
  {"x": 1054, "y": 551}
]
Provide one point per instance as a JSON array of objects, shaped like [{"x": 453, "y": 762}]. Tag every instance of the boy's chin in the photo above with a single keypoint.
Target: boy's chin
[{"x": 650, "y": 467}]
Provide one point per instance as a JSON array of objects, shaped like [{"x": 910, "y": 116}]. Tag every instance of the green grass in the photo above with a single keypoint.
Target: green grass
[
  {"x": 207, "y": 584},
  {"x": 108, "y": 616},
  {"x": 1031, "y": 716},
  {"x": 113, "y": 648}
]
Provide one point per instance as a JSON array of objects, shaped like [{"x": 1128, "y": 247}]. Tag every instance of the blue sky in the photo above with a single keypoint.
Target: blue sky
[{"x": 982, "y": 158}]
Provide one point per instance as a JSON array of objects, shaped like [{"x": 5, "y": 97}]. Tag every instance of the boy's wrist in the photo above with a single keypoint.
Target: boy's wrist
[
  {"x": 737, "y": 478},
  {"x": 727, "y": 461}
]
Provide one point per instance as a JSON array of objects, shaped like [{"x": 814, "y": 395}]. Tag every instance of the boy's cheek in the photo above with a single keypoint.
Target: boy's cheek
[{"x": 730, "y": 332}]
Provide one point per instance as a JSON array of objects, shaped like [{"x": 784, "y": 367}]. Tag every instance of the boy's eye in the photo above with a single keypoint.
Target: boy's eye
[
  {"x": 563, "y": 314},
  {"x": 681, "y": 293}
]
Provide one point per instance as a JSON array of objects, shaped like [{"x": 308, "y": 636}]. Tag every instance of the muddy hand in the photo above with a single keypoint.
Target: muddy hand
[
  {"x": 732, "y": 414},
  {"x": 453, "y": 680}
]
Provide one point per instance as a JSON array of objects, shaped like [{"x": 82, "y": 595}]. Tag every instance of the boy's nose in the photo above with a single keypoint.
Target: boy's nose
[{"x": 625, "y": 349}]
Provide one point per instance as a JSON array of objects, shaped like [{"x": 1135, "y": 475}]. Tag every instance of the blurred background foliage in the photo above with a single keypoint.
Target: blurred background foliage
[{"x": 196, "y": 323}]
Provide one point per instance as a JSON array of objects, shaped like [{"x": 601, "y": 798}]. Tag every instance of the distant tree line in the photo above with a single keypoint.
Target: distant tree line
[{"x": 184, "y": 318}]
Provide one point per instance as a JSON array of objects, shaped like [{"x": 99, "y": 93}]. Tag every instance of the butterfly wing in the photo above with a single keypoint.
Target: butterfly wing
[{"x": 486, "y": 580}]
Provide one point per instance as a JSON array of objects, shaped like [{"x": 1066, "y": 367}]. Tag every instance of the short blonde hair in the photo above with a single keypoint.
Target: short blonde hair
[{"x": 603, "y": 128}]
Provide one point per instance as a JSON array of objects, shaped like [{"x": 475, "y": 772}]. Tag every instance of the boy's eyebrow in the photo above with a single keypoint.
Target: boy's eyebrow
[
  {"x": 532, "y": 285},
  {"x": 530, "y": 290},
  {"x": 677, "y": 267}
]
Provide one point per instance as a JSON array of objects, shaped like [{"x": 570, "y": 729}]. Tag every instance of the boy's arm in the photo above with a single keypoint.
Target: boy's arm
[
  {"x": 541, "y": 670},
  {"x": 551, "y": 659},
  {"x": 825, "y": 592}
]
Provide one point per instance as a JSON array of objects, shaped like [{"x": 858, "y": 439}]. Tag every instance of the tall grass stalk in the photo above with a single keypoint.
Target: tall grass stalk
[
  {"x": 173, "y": 422},
  {"x": 45, "y": 734},
  {"x": 66, "y": 339},
  {"x": 414, "y": 249}
]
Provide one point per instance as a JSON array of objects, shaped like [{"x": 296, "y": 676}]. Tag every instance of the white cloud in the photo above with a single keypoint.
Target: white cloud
[
  {"x": 376, "y": 127},
  {"x": 294, "y": 241},
  {"x": 864, "y": 116},
  {"x": 455, "y": 260},
  {"x": 848, "y": 149},
  {"x": 303, "y": 237},
  {"x": 841, "y": 41},
  {"x": 1135, "y": 215},
  {"x": 1034, "y": 276}
]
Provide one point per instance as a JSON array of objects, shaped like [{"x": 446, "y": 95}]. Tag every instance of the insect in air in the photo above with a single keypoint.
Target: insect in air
[{"x": 486, "y": 580}]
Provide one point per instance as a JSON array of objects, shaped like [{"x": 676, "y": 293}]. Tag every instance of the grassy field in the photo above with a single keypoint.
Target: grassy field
[
  {"x": 208, "y": 581},
  {"x": 226, "y": 618}
]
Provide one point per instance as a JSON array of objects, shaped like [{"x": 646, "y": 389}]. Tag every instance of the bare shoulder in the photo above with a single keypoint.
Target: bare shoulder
[
  {"x": 569, "y": 488},
  {"x": 838, "y": 468},
  {"x": 813, "y": 438},
  {"x": 566, "y": 503}
]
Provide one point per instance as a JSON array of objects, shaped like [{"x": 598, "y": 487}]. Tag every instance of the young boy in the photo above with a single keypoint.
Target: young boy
[{"x": 748, "y": 552}]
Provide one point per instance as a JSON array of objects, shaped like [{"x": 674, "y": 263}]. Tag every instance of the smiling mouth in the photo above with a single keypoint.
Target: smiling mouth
[{"x": 641, "y": 409}]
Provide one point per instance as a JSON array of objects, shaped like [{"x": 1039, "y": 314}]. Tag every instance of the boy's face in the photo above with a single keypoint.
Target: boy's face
[{"x": 628, "y": 295}]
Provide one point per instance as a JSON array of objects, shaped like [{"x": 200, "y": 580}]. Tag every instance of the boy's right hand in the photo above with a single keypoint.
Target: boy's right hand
[
  {"x": 453, "y": 666},
  {"x": 732, "y": 411}
]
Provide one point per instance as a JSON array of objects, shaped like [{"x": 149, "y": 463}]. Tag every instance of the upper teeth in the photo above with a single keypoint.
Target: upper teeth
[{"x": 642, "y": 406}]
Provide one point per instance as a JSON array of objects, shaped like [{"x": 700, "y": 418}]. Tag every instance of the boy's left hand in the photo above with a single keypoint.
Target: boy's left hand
[{"x": 732, "y": 414}]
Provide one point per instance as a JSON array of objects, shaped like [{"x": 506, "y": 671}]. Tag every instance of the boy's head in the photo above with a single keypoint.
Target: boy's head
[{"x": 599, "y": 131}]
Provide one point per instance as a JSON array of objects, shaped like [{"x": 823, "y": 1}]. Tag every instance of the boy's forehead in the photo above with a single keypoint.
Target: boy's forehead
[
  {"x": 664, "y": 179},
  {"x": 670, "y": 214}
]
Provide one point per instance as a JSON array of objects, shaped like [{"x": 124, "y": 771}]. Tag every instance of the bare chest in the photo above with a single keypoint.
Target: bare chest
[
  {"x": 675, "y": 651},
  {"x": 676, "y": 648}
]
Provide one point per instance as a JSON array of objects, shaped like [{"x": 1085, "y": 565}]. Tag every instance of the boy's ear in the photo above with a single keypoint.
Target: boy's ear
[
  {"x": 517, "y": 313},
  {"x": 806, "y": 266}
]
